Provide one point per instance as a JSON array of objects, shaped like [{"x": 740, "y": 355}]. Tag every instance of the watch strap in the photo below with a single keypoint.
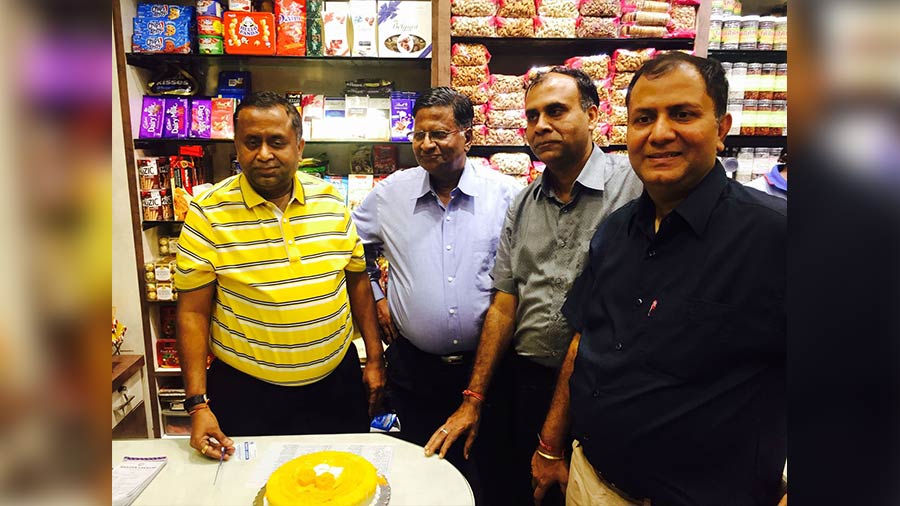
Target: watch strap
[{"x": 194, "y": 400}]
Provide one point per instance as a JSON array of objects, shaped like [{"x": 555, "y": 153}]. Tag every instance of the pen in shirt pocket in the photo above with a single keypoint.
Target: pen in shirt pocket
[{"x": 652, "y": 308}]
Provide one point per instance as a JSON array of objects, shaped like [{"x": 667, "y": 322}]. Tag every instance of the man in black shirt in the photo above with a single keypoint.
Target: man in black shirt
[{"x": 675, "y": 380}]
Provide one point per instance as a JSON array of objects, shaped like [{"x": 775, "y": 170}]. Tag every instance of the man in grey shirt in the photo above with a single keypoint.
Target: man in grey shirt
[{"x": 542, "y": 250}]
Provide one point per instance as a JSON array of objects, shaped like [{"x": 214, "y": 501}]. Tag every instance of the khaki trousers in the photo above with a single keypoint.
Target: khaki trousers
[{"x": 587, "y": 488}]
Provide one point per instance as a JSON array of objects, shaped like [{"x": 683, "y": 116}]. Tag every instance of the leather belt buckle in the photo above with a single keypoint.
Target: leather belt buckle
[{"x": 452, "y": 359}]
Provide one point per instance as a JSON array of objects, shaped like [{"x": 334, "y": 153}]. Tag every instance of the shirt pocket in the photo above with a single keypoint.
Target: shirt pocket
[{"x": 690, "y": 338}]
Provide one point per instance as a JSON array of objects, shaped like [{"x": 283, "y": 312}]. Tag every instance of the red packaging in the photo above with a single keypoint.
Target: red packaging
[
  {"x": 167, "y": 353},
  {"x": 384, "y": 158},
  {"x": 222, "y": 118},
  {"x": 249, "y": 33},
  {"x": 290, "y": 16},
  {"x": 209, "y": 25},
  {"x": 167, "y": 321}
]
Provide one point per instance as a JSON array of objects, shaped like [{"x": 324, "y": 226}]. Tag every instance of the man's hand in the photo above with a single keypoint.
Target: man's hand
[
  {"x": 783, "y": 501},
  {"x": 546, "y": 472},
  {"x": 464, "y": 420},
  {"x": 204, "y": 426},
  {"x": 374, "y": 378},
  {"x": 388, "y": 331}
]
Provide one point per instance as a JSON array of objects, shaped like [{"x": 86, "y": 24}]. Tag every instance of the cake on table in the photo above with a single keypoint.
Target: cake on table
[{"x": 323, "y": 478}]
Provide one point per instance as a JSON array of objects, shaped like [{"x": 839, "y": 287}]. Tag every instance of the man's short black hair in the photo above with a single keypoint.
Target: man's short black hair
[
  {"x": 586, "y": 89},
  {"x": 267, "y": 100},
  {"x": 444, "y": 96},
  {"x": 711, "y": 70}
]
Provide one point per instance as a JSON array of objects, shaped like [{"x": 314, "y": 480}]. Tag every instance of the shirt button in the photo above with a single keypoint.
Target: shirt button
[
  {"x": 618, "y": 346},
  {"x": 596, "y": 393},
  {"x": 456, "y": 341},
  {"x": 448, "y": 218},
  {"x": 561, "y": 243},
  {"x": 651, "y": 253},
  {"x": 638, "y": 302},
  {"x": 449, "y": 247},
  {"x": 449, "y": 279},
  {"x": 452, "y": 311},
  {"x": 291, "y": 242}
]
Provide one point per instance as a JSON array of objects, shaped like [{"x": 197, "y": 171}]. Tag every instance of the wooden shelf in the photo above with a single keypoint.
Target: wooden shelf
[
  {"x": 748, "y": 56},
  {"x": 152, "y": 223},
  {"x": 163, "y": 143},
  {"x": 154, "y": 60}
]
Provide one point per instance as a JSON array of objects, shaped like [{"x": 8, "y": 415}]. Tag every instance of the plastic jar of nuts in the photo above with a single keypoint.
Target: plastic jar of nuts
[
  {"x": 736, "y": 109},
  {"x": 764, "y": 125},
  {"x": 781, "y": 36},
  {"x": 780, "y": 92},
  {"x": 731, "y": 32},
  {"x": 779, "y": 117},
  {"x": 748, "y": 117},
  {"x": 767, "y": 81},
  {"x": 749, "y": 32},
  {"x": 752, "y": 81},
  {"x": 715, "y": 31},
  {"x": 738, "y": 80},
  {"x": 766, "y": 35}
]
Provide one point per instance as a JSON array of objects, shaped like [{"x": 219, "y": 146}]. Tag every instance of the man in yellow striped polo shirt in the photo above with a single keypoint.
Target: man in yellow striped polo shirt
[{"x": 271, "y": 275}]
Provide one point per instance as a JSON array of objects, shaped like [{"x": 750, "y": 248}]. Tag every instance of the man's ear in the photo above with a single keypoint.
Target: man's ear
[
  {"x": 468, "y": 134},
  {"x": 724, "y": 127},
  {"x": 593, "y": 113}
]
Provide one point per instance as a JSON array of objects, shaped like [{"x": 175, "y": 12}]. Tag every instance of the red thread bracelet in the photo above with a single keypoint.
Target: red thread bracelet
[
  {"x": 545, "y": 446},
  {"x": 473, "y": 394}
]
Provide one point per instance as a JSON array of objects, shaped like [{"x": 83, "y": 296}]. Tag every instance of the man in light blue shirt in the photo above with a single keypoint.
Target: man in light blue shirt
[{"x": 438, "y": 225}]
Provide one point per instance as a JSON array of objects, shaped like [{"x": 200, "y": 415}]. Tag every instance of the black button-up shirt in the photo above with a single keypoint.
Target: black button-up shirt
[{"x": 678, "y": 392}]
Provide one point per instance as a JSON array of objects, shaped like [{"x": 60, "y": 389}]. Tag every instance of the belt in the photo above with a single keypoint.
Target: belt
[{"x": 452, "y": 359}]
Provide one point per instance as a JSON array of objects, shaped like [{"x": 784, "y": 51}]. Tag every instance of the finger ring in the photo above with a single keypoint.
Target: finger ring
[
  {"x": 445, "y": 431},
  {"x": 205, "y": 447}
]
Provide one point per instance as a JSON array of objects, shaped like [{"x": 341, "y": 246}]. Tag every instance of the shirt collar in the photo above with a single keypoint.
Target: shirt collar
[
  {"x": 253, "y": 199},
  {"x": 699, "y": 204},
  {"x": 695, "y": 209},
  {"x": 468, "y": 182},
  {"x": 774, "y": 178},
  {"x": 592, "y": 175}
]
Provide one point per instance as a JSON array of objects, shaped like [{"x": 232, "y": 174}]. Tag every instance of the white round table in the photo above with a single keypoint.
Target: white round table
[{"x": 187, "y": 478}]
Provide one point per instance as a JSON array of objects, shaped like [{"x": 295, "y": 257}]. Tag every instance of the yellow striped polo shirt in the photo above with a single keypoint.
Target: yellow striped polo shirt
[{"x": 281, "y": 311}]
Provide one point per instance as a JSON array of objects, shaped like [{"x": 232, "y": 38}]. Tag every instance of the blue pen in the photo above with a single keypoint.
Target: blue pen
[{"x": 221, "y": 459}]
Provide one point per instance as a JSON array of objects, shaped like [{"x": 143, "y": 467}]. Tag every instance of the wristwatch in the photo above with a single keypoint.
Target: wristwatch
[{"x": 193, "y": 400}]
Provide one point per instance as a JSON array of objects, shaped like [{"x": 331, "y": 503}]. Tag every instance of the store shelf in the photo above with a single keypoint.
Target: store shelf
[
  {"x": 756, "y": 141},
  {"x": 749, "y": 56},
  {"x": 163, "y": 143},
  {"x": 572, "y": 46},
  {"x": 167, "y": 371},
  {"x": 152, "y": 61},
  {"x": 152, "y": 223},
  {"x": 487, "y": 151},
  {"x": 171, "y": 412}
]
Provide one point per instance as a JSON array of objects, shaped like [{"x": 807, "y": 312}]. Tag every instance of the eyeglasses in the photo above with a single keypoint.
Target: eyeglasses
[{"x": 435, "y": 136}]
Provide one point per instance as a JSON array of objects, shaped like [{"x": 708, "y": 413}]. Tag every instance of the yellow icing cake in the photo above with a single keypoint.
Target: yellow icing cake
[{"x": 323, "y": 478}]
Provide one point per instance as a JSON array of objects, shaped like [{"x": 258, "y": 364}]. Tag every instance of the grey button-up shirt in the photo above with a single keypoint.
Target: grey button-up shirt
[{"x": 544, "y": 246}]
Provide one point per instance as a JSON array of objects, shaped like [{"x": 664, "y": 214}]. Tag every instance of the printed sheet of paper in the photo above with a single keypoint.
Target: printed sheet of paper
[{"x": 379, "y": 455}]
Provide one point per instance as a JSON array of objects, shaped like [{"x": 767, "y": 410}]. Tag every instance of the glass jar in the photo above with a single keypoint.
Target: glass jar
[
  {"x": 749, "y": 34},
  {"x": 731, "y": 32},
  {"x": 780, "y": 91},
  {"x": 728, "y": 7},
  {"x": 718, "y": 6},
  {"x": 748, "y": 117},
  {"x": 715, "y": 31},
  {"x": 781, "y": 36},
  {"x": 760, "y": 163},
  {"x": 766, "y": 33},
  {"x": 752, "y": 81}
]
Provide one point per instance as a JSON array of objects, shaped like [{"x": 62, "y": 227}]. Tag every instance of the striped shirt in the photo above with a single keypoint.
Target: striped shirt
[{"x": 281, "y": 311}]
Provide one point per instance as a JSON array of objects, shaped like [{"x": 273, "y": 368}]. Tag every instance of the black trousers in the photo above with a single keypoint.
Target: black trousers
[
  {"x": 424, "y": 389},
  {"x": 517, "y": 404},
  {"x": 246, "y": 406}
]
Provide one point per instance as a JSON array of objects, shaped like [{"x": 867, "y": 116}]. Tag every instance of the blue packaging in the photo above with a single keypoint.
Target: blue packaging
[
  {"x": 179, "y": 43},
  {"x": 387, "y": 422},
  {"x": 234, "y": 84},
  {"x": 209, "y": 8},
  {"x": 171, "y": 12}
]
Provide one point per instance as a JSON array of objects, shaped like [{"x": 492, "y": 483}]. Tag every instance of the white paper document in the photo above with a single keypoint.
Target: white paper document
[
  {"x": 131, "y": 476},
  {"x": 379, "y": 455}
]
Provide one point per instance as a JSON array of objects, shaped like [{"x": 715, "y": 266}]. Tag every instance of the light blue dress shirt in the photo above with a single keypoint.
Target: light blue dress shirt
[{"x": 439, "y": 286}]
